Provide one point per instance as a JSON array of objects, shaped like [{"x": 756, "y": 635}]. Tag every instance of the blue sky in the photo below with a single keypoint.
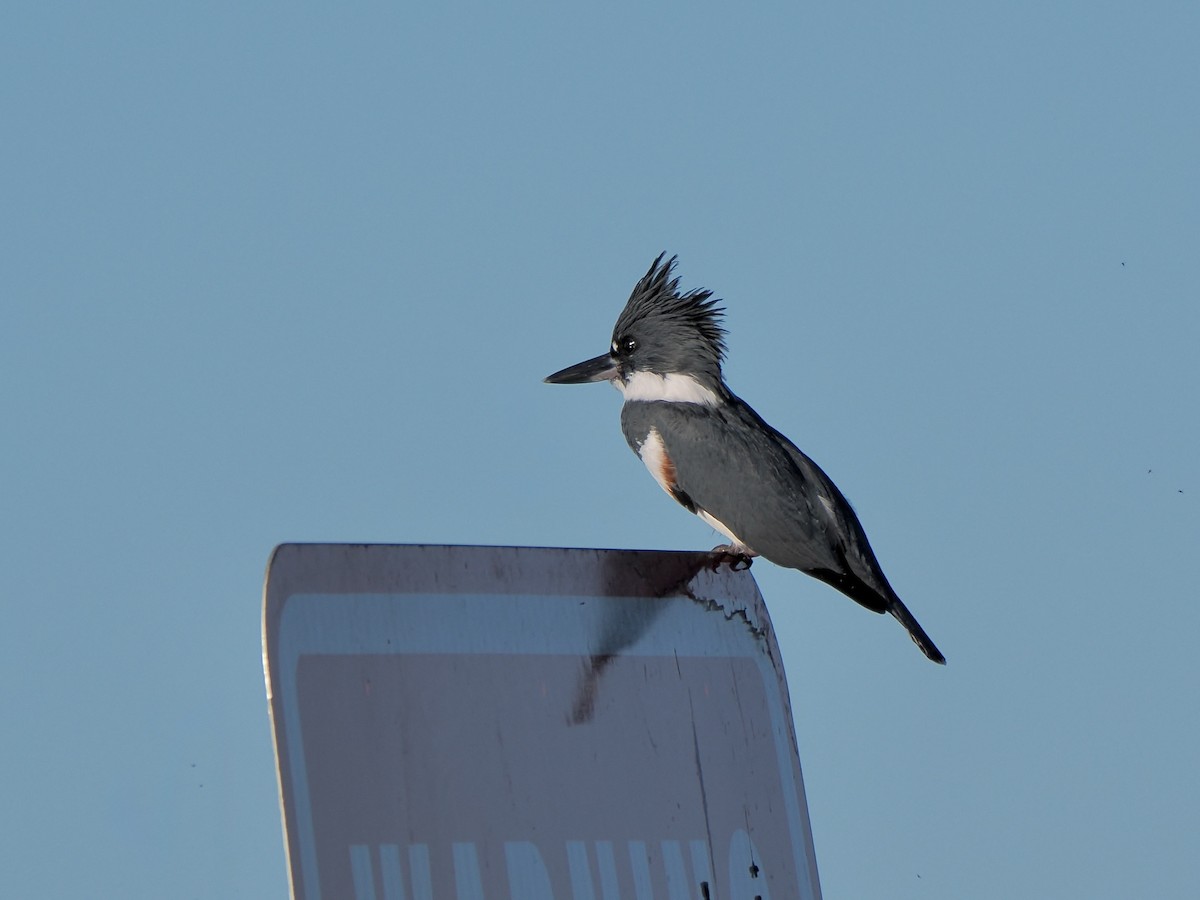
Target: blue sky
[{"x": 295, "y": 274}]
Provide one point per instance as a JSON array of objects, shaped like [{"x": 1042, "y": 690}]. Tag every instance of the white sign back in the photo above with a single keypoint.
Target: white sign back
[{"x": 507, "y": 723}]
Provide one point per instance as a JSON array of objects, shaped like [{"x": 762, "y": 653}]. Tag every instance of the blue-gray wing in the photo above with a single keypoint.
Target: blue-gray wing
[
  {"x": 743, "y": 474},
  {"x": 731, "y": 464}
]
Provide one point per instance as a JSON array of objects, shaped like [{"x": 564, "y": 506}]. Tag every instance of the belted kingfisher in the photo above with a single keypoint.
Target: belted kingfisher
[{"x": 716, "y": 456}]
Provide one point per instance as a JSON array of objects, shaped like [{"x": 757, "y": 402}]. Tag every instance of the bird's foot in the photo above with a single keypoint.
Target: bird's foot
[{"x": 732, "y": 555}]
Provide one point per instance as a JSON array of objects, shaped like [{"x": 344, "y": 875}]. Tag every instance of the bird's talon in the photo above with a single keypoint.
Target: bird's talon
[{"x": 729, "y": 555}]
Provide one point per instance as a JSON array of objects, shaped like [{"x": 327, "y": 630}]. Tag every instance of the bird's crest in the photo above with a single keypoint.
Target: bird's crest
[{"x": 692, "y": 318}]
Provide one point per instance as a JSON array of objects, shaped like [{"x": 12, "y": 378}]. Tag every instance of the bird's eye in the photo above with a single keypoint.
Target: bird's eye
[{"x": 623, "y": 346}]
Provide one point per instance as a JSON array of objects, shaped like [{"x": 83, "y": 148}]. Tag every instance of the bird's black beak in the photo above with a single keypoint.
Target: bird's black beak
[{"x": 602, "y": 368}]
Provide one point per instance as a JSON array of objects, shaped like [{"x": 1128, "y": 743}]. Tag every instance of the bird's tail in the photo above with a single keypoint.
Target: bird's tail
[
  {"x": 880, "y": 601},
  {"x": 915, "y": 631}
]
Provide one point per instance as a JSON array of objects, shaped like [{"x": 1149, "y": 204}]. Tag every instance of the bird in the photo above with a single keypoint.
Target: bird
[{"x": 718, "y": 458}]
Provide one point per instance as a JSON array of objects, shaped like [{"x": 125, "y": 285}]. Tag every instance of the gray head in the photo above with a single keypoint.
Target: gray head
[{"x": 660, "y": 331}]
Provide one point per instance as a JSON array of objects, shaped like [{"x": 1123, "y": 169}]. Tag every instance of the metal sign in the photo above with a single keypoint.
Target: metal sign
[{"x": 510, "y": 723}]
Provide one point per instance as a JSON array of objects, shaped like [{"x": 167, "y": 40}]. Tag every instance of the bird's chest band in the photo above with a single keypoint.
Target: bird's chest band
[{"x": 653, "y": 453}]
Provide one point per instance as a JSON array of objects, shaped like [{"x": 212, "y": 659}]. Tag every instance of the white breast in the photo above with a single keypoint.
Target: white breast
[{"x": 654, "y": 454}]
